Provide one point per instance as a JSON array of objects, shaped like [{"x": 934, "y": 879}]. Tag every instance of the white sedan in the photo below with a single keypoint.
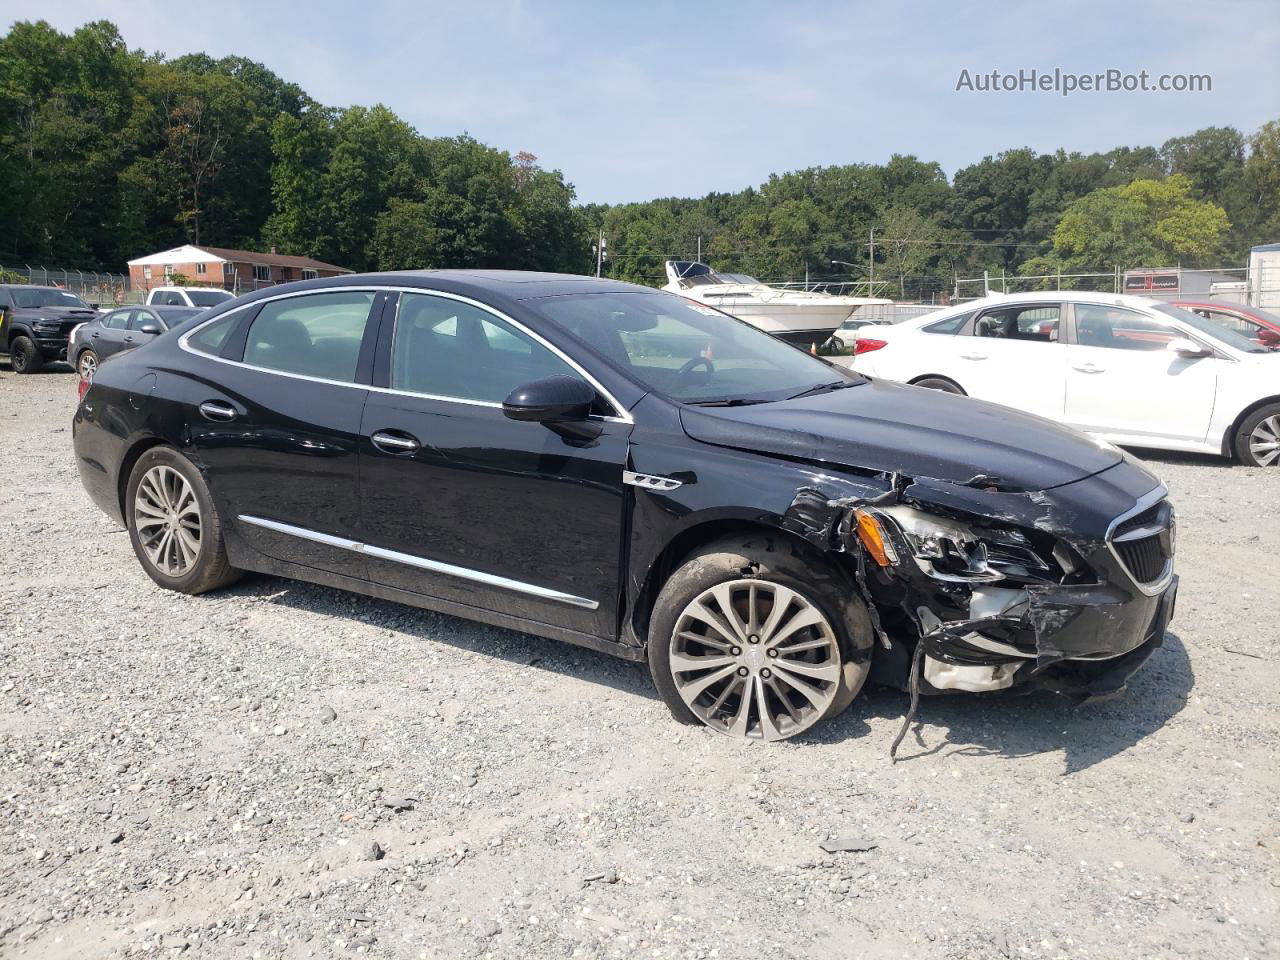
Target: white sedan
[{"x": 1132, "y": 370}]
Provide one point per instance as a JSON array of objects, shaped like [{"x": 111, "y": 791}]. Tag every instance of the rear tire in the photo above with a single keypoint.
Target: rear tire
[
  {"x": 793, "y": 679},
  {"x": 25, "y": 356},
  {"x": 1257, "y": 440},
  {"x": 86, "y": 363},
  {"x": 173, "y": 526},
  {"x": 939, "y": 383}
]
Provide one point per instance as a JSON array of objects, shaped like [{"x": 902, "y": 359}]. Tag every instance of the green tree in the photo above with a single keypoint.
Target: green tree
[{"x": 1145, "y": 223}]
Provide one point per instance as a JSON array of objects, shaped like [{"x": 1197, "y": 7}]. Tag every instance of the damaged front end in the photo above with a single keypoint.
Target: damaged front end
[{"x": 981, "y": 587}]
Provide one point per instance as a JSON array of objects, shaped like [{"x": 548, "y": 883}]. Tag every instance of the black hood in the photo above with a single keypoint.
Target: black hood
[
  {"x": 56, "y": 312},
  {"x": 892, "y": 428}
]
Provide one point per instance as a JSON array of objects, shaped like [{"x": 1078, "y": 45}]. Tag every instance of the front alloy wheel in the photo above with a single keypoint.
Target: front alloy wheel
[
  {"x": 755, "y": 659},
  {"x": 166, "y": 516}
]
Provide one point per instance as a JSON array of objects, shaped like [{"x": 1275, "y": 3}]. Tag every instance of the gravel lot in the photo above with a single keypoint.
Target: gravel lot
[{"x": 211, "y": 774}]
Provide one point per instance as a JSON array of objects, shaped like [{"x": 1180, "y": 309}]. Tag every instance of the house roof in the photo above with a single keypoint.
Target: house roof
[
  {"x": 189, "y": 253},
  {"x": 275, "y": 259}
]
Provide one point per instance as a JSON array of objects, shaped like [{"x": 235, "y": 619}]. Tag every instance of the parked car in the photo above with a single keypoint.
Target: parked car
[
  {"x": 620, "y": 468},
  {"x": 95, "y": 340},
  {"x": 35, "y": 323},
  {"x": 849, "y": 331},
  {"x": 1131, "y": 370},
  {"x": 200, "y": 297},
  {"x": 1261, "y": 327}
]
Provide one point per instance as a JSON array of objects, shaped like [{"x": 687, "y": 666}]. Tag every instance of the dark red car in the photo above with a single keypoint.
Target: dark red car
[{"x": 1261, "y": 327}]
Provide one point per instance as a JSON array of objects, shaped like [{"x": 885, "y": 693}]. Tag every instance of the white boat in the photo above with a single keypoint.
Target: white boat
[{"x": 797, "y": 316}]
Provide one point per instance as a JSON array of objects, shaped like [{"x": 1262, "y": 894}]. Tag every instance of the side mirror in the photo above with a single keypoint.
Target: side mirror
[
  {"x": 550, "y": 400},
  {"x": 149, "y": 328},
  {"x": 1188, "y": 348}
]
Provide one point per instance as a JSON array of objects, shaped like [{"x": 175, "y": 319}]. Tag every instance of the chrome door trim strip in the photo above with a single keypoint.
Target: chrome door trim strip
[
  {"x": 622, "y": 414},
  {"x": 422, "y": 563}
]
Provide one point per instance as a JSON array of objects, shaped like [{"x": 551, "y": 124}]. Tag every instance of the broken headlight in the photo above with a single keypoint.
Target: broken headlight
[{"x": 951, "y": 550}]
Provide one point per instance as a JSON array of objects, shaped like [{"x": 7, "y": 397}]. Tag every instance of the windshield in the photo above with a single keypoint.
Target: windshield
[
  {"x": 1210, "y": 329},
  {"x": 208, "y": 298},
  {"x": 46, "y": 297},
  {"x": 688, "y": 351}
]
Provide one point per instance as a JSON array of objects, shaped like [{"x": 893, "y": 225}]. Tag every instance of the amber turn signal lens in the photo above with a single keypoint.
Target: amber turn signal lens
[{"x": 872, "y": 535}]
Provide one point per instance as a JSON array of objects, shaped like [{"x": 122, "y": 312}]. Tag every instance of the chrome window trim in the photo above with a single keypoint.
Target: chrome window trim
[
  {"x": 1145, "y": 502},
  {"x": 422, "y": 563},
  {"x": 622, "y": 414}
]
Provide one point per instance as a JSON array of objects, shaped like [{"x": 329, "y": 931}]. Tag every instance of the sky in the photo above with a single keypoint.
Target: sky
[{"x": 640, "y": 100}]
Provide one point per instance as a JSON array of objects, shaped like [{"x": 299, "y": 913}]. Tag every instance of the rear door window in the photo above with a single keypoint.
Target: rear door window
[
  {"x": 318, "y": 335},
  {"x": 118, "y": 320},
  {"x": 1036, "y": 323}
]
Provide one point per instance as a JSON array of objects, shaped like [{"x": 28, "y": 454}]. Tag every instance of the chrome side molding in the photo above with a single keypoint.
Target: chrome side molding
[{"x": 422, "y": 563}]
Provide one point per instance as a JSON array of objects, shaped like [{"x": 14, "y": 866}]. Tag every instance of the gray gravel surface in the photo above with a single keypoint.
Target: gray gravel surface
[{"x": 284, "y": 770}]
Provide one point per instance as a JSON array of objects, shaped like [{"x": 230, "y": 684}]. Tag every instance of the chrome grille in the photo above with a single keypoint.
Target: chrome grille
[{"x": 1143, "y": 541}]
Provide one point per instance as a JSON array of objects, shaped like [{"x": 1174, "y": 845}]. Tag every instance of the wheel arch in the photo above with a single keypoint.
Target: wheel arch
[
  {"x": 689, "y": 539},
  {"x": 127, "y": 462},
  {"x": 914, "y": 381},
  {"x": 1228, "y": 438}
]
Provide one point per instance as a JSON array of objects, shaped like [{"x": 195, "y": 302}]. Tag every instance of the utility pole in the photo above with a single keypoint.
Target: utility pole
[
  {"x": 599, "y": 253},
  {"x": 871, "y": 265},
  {"x": 699, "y": 249}
]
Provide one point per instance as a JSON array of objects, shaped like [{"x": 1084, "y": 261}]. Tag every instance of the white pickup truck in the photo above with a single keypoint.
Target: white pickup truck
[{"x": 187, "y": 297}]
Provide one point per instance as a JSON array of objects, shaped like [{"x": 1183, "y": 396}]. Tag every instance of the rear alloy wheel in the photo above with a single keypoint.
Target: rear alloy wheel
[
  {"x": 1257, "y": 442},
  {"x": 87, "y": 365},
  {"x": 758, "y": 639},
  {"x": 173, "y": 526},
  {"x": 167, "y": 518},
  {"x": 24, "y": 356}
]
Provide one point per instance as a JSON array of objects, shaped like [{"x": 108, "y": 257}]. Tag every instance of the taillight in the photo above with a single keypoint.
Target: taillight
[
  {"x": 866, "y": 345},
  {"x": 85, "y": 384}
]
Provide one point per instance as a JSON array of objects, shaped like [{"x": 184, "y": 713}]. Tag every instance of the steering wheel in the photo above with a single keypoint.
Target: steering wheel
[{"x": 689, "y": 365}]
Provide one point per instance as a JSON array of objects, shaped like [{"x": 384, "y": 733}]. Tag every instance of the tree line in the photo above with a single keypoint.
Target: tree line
[{"x": 108, "y": 153}]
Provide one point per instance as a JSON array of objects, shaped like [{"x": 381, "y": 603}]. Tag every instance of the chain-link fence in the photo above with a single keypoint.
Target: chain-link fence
[{"x": 97, "y": 287}]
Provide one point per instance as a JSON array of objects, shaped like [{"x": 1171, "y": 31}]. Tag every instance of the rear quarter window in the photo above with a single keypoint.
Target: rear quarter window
[{"x": 949, "y": 324}]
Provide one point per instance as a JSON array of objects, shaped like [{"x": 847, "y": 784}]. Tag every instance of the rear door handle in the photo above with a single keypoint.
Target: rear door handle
[
  {"x": 217, "y": 410},
  {"x": 1089, "y": 368},
  {"x": 394, "y": 442},
  {"x": 973, "y": 356}
]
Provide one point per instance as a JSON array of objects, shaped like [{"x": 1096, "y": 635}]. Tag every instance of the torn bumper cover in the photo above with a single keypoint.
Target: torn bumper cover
[
  {"x": 1083, "y": 642},
  {"x": 981, "y": 589}
]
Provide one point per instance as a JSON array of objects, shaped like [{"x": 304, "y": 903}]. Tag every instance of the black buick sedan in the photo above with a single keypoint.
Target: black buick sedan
[{"x": 623, "y": 469}]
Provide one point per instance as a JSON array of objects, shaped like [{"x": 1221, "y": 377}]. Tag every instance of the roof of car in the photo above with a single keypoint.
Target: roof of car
[{"x": 513, "y": 284}]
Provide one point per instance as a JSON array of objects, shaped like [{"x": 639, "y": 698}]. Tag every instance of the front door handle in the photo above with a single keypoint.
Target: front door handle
[
  {"x": 393, "y": 442},
  {"x": 96, "y": 334},
  {"x": 217, "y": 410},
  {"x": 1089, "y": 368},
  {"x": 973, "y": 356}
]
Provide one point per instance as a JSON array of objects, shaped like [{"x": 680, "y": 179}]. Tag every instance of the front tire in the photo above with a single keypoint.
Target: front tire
[
  {"x": 759, "y": 638},
  {"x": 25, "y": 356},
  {"x": 175, "y": 531},
  {"x": 1257, "y": 441}
]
